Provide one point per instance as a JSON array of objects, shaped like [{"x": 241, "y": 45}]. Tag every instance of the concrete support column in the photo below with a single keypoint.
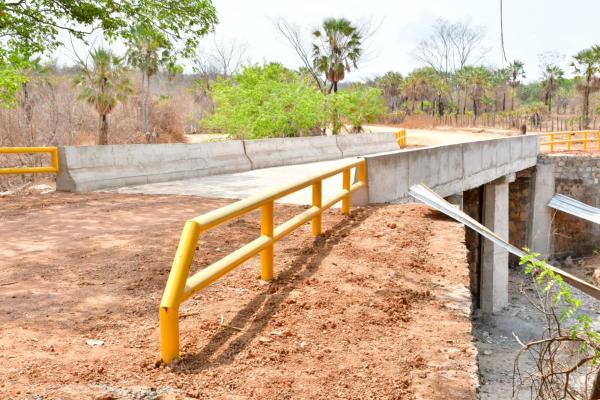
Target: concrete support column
[
  {"x": 494, "y": 260},
  {"x": 540, "y": 217}
]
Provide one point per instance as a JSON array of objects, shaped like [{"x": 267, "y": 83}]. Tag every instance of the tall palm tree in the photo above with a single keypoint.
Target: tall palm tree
[
  {"x": 337, "y": 49},
  {"x": 552, "y": 75},
  {"x": 587, "y": 65},
  {"x": 477, "y": 80},
  {"x": 147, "y": 50},
  {"x": 103, "y": 85},
  {"x": 516, "y": 72},
  {"x": 391, "y": 86}
]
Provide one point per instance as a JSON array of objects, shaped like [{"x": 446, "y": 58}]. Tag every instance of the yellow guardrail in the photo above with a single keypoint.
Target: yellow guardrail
[
  {"x": 30, "y": 150},
  {"x": 569, "y": 140},
  {"x": 401, "y": 138},
  {"x": 180, "y": 286}
]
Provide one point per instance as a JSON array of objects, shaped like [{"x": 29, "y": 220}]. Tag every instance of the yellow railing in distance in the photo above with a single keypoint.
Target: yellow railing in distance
[
  {"x": 570, "y": 140},
  {"x": 401, "y": 138},
  {"x": 53, "y": 168},
  {"x": 180, "y": 286}
]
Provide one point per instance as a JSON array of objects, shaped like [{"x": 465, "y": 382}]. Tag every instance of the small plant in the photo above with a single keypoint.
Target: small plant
[{"x": 566, "y": 356}]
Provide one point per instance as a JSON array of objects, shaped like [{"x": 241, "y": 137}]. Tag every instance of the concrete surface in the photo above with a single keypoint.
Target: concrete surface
[
  {"x": 245, "y": 184},
  {"x": 540, "y": 224},
  {"x": 88, "y": 168},
  {"x": 448, "y": 169},
  {"x": 494, "y": 266}
]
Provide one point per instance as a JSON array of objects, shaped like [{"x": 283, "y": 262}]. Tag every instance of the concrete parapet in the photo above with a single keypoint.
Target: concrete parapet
[
  {"x": 265, "y": 153},
  {"x": 448, "y": 169},
  {"x": 90, "y": 168},
  {"x": 367, "y": 143}
]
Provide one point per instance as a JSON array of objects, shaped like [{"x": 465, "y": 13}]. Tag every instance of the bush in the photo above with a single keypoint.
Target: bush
[
  {"x": 360, "y": 105},
  {"x": 265, "y": 101}
]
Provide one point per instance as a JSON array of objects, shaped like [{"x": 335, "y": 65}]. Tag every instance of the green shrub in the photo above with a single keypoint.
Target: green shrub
[{"x": 265, "y": 101}]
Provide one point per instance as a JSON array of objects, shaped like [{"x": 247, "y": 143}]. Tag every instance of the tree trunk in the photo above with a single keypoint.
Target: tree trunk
[
  {"x": 103, "y": 135},
  {"x": 335, "y": 87},
  {"x": 145, "y": 105},
  {"x": 504, "y": 101},
  {"x": 512, "y": 103},
  {"x": 586, "y": 104},
  {"x": 26, "y": 104}
]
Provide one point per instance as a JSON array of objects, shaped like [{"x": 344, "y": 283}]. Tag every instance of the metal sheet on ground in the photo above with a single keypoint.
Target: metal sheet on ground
[
  {"x": 575, "y": 207},
  {"x": 424, "y": 194}
]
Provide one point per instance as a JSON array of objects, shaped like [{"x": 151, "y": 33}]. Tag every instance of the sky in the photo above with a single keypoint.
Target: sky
[{"x": 531, "y": 27}]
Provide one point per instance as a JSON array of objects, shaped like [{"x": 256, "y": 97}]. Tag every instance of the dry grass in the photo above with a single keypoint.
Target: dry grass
[{"x": 419, "y": 122}]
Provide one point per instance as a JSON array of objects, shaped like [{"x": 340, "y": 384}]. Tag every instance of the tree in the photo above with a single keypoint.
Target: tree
[
  {"x": 103, "y": 85},
  {"x": 35, "y": 26},
  {"x": 265, "y": 101},
  {"x": 552, "y": 75},
  {"x": 451, "y": 46},
  {"x": 500, "y": 81},
  {"x": 477, "y": 80},
  {"x": 425, "y": 84},
  {"x": 391, "y": 88},
  {"x": 516, "y": 73},
  {"x": 359, "y": 105},
  {"x": 587, "y": 65},
  {"x": 336, "y": 50},
  {"x": 148, "y": 50}
]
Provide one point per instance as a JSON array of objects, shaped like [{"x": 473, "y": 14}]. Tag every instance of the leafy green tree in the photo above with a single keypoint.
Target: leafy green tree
[
  {"x": 587, "y": 65},
  {"x": 148, "y": 50},
  {"x": 266, "y": 101},
  {"x": 360, "y": 105},
  {"x": 11, "y": 81},
  {"x": 552, "y": 75},
  {"x": 35, "y": 26},
  {"x": 516, "y": 72},
  {"x": 337, "y": 49},
  {"x": 103, "y": 85}
]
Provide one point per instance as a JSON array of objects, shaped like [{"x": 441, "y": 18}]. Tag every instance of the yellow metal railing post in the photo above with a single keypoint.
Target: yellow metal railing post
[
  {"x": 551, "y": 142},
  {"x": 169, "y": 305},
  {"x": 403, "y": 138},
  {"x": 317, "y": 201},
  {"x": 598, "y": 140},
  {"x": 54, "y": 157},
  {"x": 346, "y": 186},
  {"x": 585, "y": 141},
  {"x": 361, "y": 172},
  {"x": 266, "y": 229},
  {"x": 569, "y": 134}
]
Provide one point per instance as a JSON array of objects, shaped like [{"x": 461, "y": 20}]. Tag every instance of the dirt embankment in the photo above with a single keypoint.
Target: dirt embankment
[{"x": 376, "y": 308}]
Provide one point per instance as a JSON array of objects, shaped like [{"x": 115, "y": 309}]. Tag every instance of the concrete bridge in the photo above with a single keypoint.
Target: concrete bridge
[{"x": 477, "y": 176}]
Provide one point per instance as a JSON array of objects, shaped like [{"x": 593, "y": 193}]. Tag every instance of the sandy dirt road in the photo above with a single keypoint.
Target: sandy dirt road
[{"x": 376, "y": 308}]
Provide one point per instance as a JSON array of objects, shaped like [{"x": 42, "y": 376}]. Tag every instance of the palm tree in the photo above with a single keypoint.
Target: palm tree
[
  {"x": 391, "y": 86},
  {"x": 103, "y": 86},
  {"x": 147, "y": 51},
  {"x": 337, "y": 49},
  {"x": 477, "y": 81},
  {"x": 587, "y": 65},
  {"x": 516, "y": 72},
  {"x": 552, "y": 76}
]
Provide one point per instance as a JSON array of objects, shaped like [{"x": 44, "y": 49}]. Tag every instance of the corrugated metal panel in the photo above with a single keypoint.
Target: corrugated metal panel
[
  {"x": 432, "y": 199},
  {"x": 574, "y": 207}
]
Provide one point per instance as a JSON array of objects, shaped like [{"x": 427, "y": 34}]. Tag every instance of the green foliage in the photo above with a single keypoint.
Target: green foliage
[
  {"x": 552, "y": 285},
  {"x": 104, "y": 83},
  {"x": 33, "y": 26},
  {"x": 147, "y": 49},
  {"x": 265, "y": 101},
  {"x": 358, "y": 105},
  {"x": 10, "y": 83},
  {"x": 337, "y": 49}
]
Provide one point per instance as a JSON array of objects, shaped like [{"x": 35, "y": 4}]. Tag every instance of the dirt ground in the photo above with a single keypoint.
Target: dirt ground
[{"x": 376, "y": 308}]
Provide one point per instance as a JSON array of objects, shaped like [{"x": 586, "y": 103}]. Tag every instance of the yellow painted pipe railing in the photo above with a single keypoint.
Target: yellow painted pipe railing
[
  {"x": 180, "y": 286},
  {"x": 53, "y": 168},
  {"x": 569, "y": 140},
  {"x": 401, "y": 138}
]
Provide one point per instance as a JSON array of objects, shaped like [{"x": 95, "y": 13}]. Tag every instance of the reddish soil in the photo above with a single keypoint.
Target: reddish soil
[{"x": 373, "y": 309}]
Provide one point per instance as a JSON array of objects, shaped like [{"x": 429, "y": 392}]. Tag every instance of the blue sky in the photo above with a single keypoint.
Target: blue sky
[{"x": 531, "y": 27}]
